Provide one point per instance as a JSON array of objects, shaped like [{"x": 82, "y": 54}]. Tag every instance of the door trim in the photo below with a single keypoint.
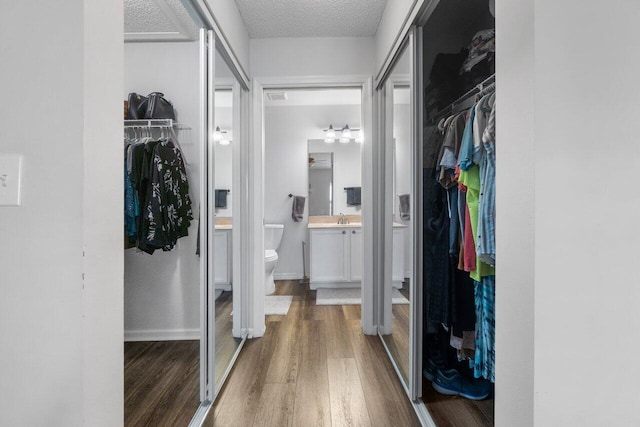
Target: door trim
[{"x": 256, "y": 171}]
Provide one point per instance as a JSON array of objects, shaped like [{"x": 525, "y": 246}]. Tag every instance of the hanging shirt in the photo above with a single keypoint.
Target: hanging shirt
[
  {"x": 471, "y": 179},
  {"x": 465, "y": 158},
  {"x": 486, "y": 245},
  {"x": 168, "y": 208}
]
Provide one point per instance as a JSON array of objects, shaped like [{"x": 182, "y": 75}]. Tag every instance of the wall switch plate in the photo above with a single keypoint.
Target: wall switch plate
[{"x": 10, "y": 179}]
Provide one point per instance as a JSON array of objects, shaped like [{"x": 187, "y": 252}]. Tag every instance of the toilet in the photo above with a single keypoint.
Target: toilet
[{"x": 272, "y": 239}]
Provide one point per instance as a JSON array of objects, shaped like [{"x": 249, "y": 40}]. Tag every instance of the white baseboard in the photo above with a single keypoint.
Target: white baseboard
[
  {"x": 287, "y": 276},
  {"x": 162, "y": 335}
]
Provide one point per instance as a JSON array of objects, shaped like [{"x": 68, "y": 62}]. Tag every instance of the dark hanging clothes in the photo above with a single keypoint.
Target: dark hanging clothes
[
  {"x": 167, "y": 210},
  {"x": 436, "y": 254},
  {"x": 155, "y": 171}
]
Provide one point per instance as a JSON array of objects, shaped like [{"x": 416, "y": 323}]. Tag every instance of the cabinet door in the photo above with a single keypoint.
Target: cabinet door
[
  {"x": 355, "y": 252},
  {"x": 397, "y": 267},
  {"x": 221, "y": 257},
  {"x": 328, "y": 255}
]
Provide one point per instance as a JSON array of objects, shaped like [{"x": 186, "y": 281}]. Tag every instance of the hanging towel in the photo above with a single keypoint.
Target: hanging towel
[
  {"x": 353, "y": 196},
  {"x": 297, "y": 211},
  {"x": 221, "y": 198},
  {"x": 404, "y": 207}
]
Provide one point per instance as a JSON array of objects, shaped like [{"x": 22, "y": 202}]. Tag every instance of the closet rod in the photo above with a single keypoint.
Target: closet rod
[
  {"x": 487, "y": 84},
  {"x": 153, "y": 123}
]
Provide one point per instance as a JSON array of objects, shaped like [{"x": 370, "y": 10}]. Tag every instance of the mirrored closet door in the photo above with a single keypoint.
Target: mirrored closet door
[
  {"x": 227, "y": 200},
  {"x": 401, "y": 285}
]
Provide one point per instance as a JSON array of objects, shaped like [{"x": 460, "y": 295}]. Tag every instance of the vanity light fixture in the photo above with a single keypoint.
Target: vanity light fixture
[
  {"x": 346, "y": 134},
  {"x": 217, "y": 135},
  {"x": 330, "y": 135}
]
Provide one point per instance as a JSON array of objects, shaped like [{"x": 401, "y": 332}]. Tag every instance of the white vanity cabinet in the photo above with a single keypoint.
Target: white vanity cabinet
[
  {"x": 335, "y": 256},
  {"x": 398, "y": 259},
  {"x": 222, "y": 259}
]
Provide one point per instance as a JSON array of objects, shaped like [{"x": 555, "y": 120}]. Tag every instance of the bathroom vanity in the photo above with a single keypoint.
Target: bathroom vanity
[
  {"x": 222, "y": 254},
  {"x": 335, "y": 254}
]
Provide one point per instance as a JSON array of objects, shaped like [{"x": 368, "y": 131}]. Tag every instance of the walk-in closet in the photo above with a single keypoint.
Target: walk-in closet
[{"x": 442, "y": 188}]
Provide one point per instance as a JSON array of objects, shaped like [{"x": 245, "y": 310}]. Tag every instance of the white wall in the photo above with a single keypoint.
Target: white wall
[
  {"x": 554, "y": 173},
  {"x": 347, "y": 169},
  {"x": 47, "y": 320},
  {"x": 287, "y": 130},
  {"x": 103, "y": 349},
  {"x": 312, "y": 56},
  {"x": 391, "y": 23},
  {"x": 162, "y": 291}
]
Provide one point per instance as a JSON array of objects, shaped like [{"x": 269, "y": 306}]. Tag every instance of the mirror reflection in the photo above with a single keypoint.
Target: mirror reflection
[
  {"x": 397, "y": 292},
  {"x": 335, "y": 178},
  {"x": 226, "y": 152},
  {"x": 320, "y": 183}
]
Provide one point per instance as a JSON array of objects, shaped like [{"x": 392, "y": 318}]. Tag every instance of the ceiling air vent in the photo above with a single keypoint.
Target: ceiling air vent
[{"x": 277, "y": 96}]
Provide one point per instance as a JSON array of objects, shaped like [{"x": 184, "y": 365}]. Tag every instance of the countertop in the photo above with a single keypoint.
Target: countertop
[
  {"x": 223, "y": 227},
  {"x": 352, "y": 225}
]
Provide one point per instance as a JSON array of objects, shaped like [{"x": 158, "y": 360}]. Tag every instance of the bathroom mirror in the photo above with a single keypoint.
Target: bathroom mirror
[
  {"x": 320, "y": 183},
  {"x": 334, "y": 190}
]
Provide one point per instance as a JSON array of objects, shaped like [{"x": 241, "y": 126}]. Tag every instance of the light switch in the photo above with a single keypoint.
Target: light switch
[{"x": 10, "y": 179}]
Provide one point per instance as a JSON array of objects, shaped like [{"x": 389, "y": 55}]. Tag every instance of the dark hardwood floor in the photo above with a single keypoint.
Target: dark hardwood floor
[
  {"x": 226, "y": 344},
  {"x": 313, "y": 367},
  {"x": 455, "y": 411},
  {"x": 162, "y": 378},
  {"x": 161, "y": 382}
]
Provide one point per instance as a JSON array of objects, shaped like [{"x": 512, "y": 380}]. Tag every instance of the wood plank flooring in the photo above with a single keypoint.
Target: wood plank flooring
[
  {"x": 456, "y": 411},
  {"x": 162, "y": 378},
  {"x": 313, "y": 367},
  {"x": 161, "y": 382}
]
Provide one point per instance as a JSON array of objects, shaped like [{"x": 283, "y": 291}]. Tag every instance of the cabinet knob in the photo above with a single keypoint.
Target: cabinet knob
[
  {"x": 344, "y": 232},
  {"x": 353, "y": 232}
]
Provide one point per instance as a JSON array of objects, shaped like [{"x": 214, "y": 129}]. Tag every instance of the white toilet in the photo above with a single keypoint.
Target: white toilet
[{"x": 272, "y": 239}]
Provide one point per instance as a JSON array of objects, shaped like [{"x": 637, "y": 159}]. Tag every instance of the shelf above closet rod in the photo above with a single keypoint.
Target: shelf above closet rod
[{"x": 154, "y": 123}]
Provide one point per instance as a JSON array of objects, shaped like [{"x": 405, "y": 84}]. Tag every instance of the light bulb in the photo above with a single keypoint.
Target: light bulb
[
  {"x": 329, "y": 140},
  {"x": 346, "y": 132},
  {"x": 217, "y": 135},
  {"x": 225, "y": 142},
  {"x": 344, "y": 140},
  {"x": 360, "y": 137},
  {"x": 331, "y": 133}
]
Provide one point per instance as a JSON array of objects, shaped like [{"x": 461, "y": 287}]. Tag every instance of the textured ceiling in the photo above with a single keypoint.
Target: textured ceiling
[
  {"x": 311, "y": 18},
  {"x": 153, "y": 20}
]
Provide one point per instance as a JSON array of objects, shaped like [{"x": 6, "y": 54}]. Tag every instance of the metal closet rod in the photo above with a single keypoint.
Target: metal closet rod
[
  {"x": 153, "y": 123},
  {"x": 486, "y": 83}
]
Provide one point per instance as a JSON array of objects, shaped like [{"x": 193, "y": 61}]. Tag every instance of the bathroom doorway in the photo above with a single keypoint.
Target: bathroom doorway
[
  {"x": 315, "y": 202},
  {"x": 313, "y": 199}
]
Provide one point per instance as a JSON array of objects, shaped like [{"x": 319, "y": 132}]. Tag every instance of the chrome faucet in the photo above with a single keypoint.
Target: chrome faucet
[{"x": 343, "y": 219}]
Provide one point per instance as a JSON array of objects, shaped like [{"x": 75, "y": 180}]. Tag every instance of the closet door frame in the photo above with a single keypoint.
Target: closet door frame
[{"x": 411, "y": 45}]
